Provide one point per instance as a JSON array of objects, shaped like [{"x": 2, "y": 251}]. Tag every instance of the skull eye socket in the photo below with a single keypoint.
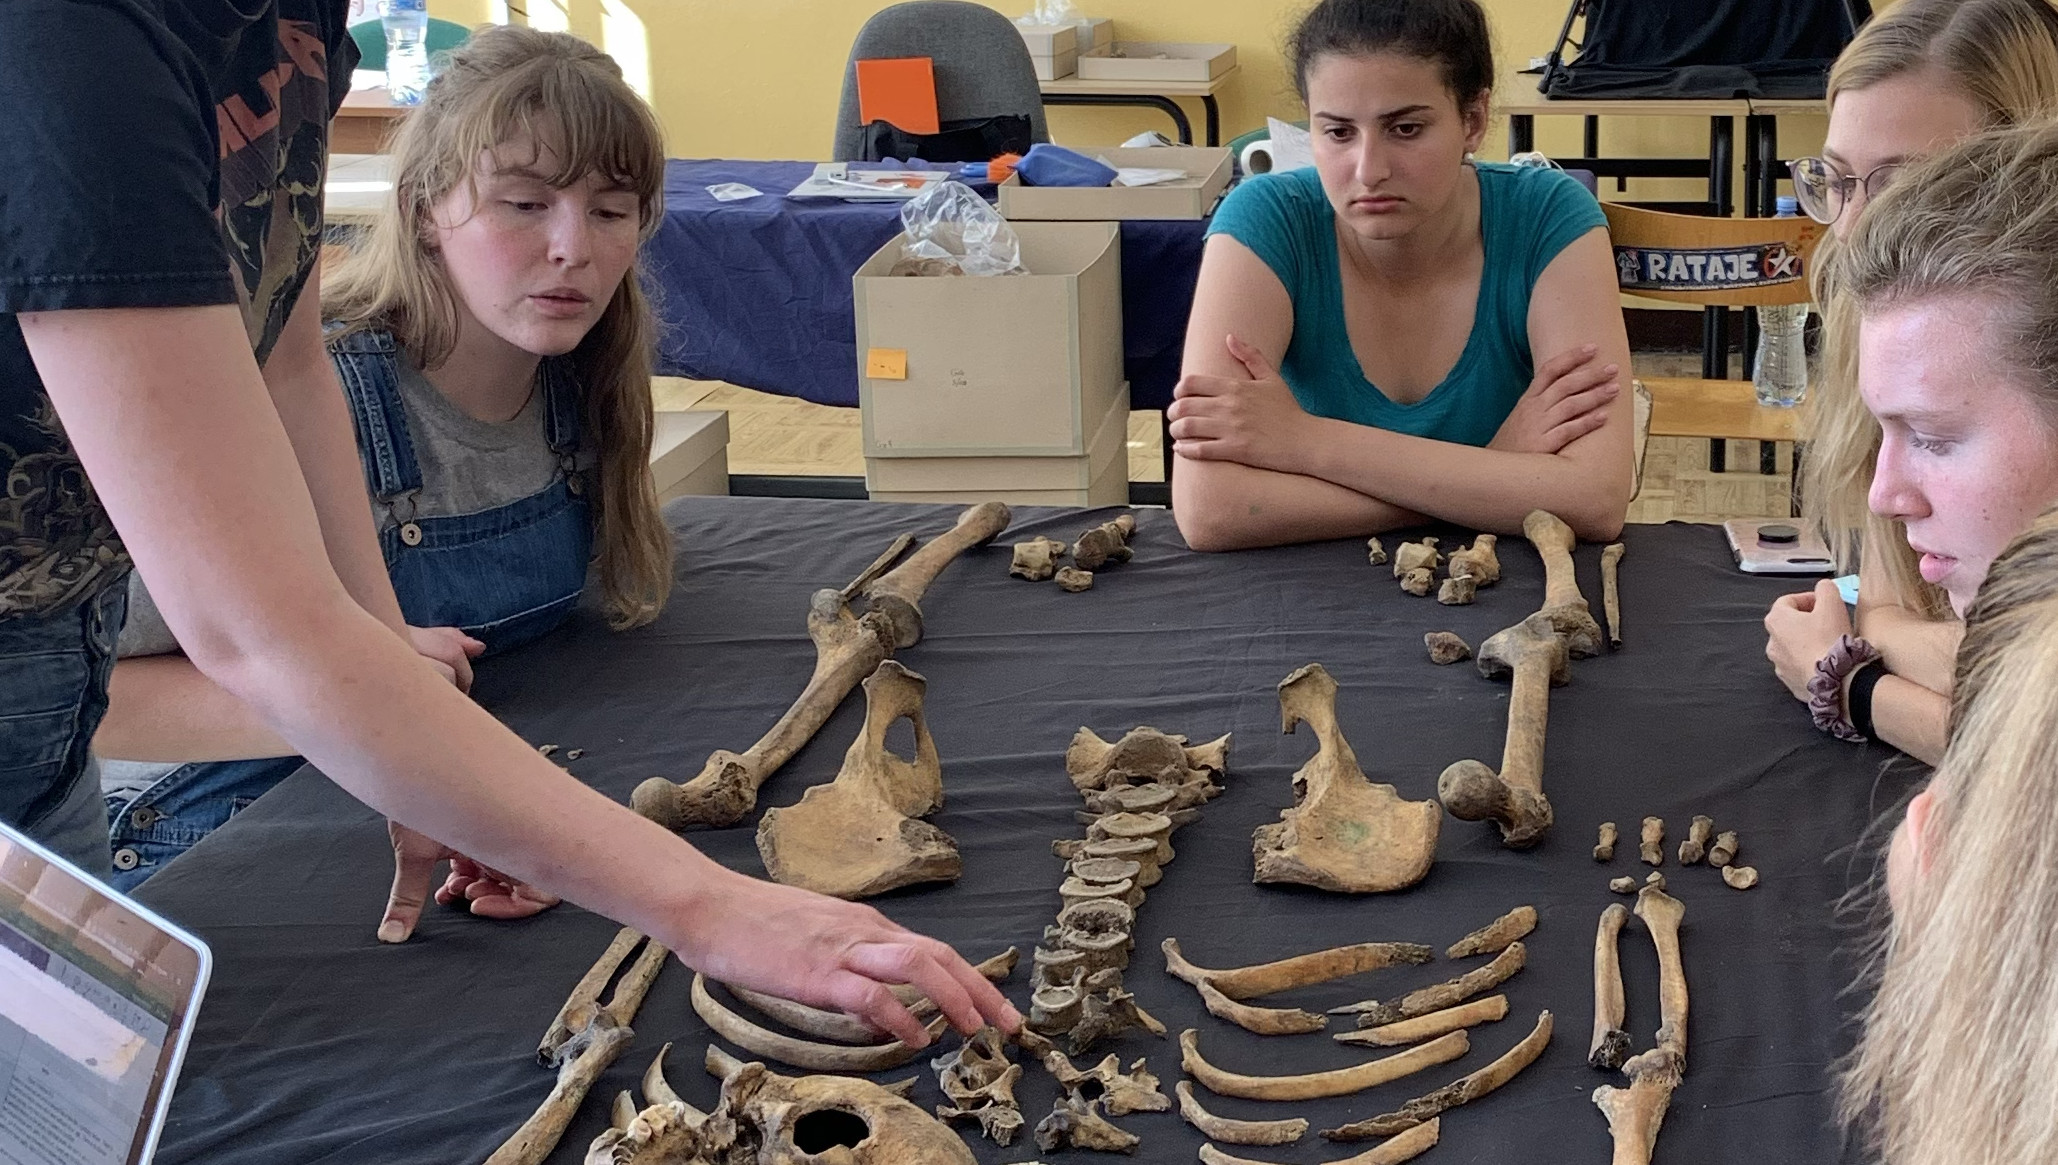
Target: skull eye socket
[{"x": 825, "y": 1129}]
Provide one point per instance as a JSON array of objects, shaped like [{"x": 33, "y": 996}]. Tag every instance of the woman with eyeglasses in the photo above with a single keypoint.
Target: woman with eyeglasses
[{"x": 1922, "y": 524}]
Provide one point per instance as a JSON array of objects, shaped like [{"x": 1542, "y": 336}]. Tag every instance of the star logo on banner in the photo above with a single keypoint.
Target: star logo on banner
[{"x": 1782, "y": 262}]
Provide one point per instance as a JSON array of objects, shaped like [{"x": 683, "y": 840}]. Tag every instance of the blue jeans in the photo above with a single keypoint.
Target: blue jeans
[
  {"x": 184, "y": 805},
  {"x": 53, "y": 691}
]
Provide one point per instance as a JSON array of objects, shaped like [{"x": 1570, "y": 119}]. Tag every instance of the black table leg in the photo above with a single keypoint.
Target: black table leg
[
  {"x": 1521, "y": 133},
  {"x": 1715, "y": 322},
  {"x": 1214, "y": 112},
  {"x": 1764, "y": 143},
  {"x": 1148, "y": 100}
]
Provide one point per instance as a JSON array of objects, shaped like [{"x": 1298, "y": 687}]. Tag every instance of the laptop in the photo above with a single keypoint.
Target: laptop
[{"x": 98, "y": 996}]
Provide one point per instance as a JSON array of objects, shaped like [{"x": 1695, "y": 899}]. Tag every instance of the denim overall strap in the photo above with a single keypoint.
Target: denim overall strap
[
  {"x": 368, "y": 364},
  {"x": 561, "y": 407}
]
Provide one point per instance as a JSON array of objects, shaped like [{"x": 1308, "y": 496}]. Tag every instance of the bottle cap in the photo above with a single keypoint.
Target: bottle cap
[{"x": 1786, "y": 206}]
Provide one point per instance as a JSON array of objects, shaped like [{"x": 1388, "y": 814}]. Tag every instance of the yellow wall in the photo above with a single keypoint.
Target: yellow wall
[{"x": 760, "y": 78}]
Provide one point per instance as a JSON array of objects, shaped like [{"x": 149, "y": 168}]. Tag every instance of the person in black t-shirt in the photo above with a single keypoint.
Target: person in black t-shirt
[{"x": 164, "y": 394}]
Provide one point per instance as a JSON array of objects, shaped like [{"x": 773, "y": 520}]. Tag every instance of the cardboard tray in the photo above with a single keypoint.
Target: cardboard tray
[
  {"x": 1207, "y": 167},
  {"x": 1151, "y": 60}
]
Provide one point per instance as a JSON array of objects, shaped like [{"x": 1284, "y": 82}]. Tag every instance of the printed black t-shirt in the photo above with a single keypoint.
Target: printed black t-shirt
[{"x": 153, "y": 153}]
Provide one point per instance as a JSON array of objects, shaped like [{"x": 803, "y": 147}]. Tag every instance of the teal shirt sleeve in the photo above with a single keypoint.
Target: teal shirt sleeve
[
  {"x": 1561, "y": 209},
  {"x": 1269, "y": 214}
]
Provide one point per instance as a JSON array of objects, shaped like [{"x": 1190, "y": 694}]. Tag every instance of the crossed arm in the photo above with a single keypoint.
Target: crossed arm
[{"x": 1257, "y": 470}]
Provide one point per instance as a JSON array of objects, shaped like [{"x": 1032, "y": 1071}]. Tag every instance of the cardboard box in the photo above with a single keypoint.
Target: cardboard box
[
  {"x": 1109, "y": 486},
  {"x": 1156, "y": 60},
  {"x": 998, "y": 366},
  {"x": 885, "y": 475},
  {"x": 1095, "y": 32},
  {"x": 1207, "y": 169},
  {"x": 1051, "y": 40},
  {"x": 1054, "y": 68},
  {"x": 689, "y": 453}
]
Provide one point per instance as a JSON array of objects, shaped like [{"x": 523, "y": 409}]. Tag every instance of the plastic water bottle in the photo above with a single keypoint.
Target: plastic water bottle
[
  {"x": 1781, "y": 374},
  {"x": 407, "y": 50}
]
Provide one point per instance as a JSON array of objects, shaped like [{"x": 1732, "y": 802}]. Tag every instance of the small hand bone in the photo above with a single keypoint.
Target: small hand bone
[
  {"x": 1605, "y": 851},
  {"x": 1740, "y": 877},
  {"x": 1410, "y": 556},
  {"x": 1533, "y": 655},
  {"x": 1477, "y": 561},
  {"x": 1611, "y": 602},
  {"x": 1372, "y": 1013},
  {"x": 1695, "y": 847},
  {"x": 1495, "y": 936},
  {"x": 1564, "y": 604},
  {"x": 1236, "y": 1132},
  {"x": 1610, "y": 1042},
  {"x": 1723, "y": 852},
  {"x": 1461, "y": 1091},
  {"x": 1314, "y": 1086},
  {"x": 1344, "y": 833},
  {"x": 1418, "y": 582},
  {"x": 1072, "y": 580},
  {"x": 1491, "y": 1009},
  {"x": 1457, "y": 592},
  {"x": 1037, "y": 559},
  {"x": 1446, "y": 647},
  {"x": 1653, "y": 847},
  {"x": 1375, "y": 552}
]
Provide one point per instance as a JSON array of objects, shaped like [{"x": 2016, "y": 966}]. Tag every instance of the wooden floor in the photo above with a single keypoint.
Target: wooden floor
[{"x": 785, "y": 436}]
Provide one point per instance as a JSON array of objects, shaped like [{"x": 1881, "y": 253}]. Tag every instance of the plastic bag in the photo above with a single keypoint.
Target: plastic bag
[
  {"x": 1051, "y": 12},
  {"x": 952, "y": 231}
]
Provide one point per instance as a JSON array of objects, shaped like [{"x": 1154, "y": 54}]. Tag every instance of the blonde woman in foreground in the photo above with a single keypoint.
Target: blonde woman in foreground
[
  {"x": 1919, "y": 77},
  {"x": 1959, "y": 1048}
]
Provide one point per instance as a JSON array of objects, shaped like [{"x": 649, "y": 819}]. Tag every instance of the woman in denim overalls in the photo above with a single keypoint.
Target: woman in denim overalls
[{"x": 493, "y": 345}]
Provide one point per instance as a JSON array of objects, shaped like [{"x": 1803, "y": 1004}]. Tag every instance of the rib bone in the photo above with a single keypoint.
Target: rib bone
[
  {"x": 1372, "y": 1013},
  {"x": 1462, "y": 1091},
  {"x": 1491, "y": 1009},
  {"x": 1495, "y": 936},
  {"x": 859, "y": 835},
  {"x": 1344, "y": 833},
  {"x": 1298, "y": 971},
  {"x": 1313, "y": 1086},
  {"x": 800, "y": 1053},
  {"x": 1236, "y": 1132},
  {"x": 1406, "y": 1147}
]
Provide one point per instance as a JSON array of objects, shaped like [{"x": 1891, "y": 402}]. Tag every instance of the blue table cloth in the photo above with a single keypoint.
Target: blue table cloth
[{"x": 757, "y": 291}]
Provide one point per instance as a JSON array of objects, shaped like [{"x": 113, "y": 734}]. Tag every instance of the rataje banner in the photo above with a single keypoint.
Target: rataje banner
[
  {"x": 1707, "y": 268},
  {"x": 1734, "y": 262}
]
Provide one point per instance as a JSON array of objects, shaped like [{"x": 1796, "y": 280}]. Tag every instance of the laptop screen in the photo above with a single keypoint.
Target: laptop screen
[{"x": 97, "y": 1000}]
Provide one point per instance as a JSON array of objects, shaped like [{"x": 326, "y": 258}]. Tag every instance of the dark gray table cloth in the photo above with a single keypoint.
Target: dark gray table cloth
[{"x": 318, "y": 1044}]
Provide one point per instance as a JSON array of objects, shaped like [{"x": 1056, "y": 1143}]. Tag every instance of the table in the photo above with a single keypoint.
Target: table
[
  {"x": 364, "y": 122},
  {"x": 757, "y": 292},
  {"x": 1155, "y": 94},
  {"x": 318, "y": 1044},
  {"x": 356, "y": 190}
]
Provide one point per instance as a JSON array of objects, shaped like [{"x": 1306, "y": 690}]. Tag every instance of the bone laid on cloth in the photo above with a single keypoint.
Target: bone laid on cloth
[
  {"x": 600, "y": 1032},
  {"x": 1611, "y": 601},
  {"x": 1344, "y": 833},
  {"x": 1464, "y": 1090},
  {"x": 1610, "y": 1042},
  {"x": 847, "y": 649},
  {"x": 1264, "y": 1021},
  {"x": 1405, "y": 1147},
  {"x": 1604, "y": 850},
  {"x": 1491, "y": 1009},
  {"x": 1636, "y": 1113},
  {"x": 1105, "y": 543},
  {"x": 1372, "y": 1013},
  {"x": 1037, "y": 559},
  {"x": 585, "y": 994},
  {"x": 898, "y": 592},
  {"x": 1532, "y": 655},
  {"x": 1495, "y": 936},
  {"x": 859, "y": 835},
  {"x": 1698, "y": 835},
  {"x": 1315, "y": 1085},
  {"x": 1564, "y": 604},
  {"x": 835, "y": 1025},
  {"x": 1120, "y": 1093},
  {"x": 1075, "y": 1122},
  {"x": 1236, "y": 1132},
  {"x": 1298, "y": 971},
  {"x": 801, "y": 1053},
  {"x": 764, "y": 1117}
]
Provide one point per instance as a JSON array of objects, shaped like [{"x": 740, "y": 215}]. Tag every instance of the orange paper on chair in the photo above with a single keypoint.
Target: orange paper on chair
[{"x": 900, "y": 91}]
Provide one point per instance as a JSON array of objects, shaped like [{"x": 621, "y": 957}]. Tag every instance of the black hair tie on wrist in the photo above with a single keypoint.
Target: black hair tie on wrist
[{"x": 1859, "y": 703}]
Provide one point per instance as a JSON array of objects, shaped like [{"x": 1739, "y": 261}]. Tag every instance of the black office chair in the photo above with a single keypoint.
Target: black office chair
[{"x": 986, "y": 89}]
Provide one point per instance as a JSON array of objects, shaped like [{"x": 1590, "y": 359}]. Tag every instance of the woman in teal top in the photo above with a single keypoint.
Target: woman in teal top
[{"x": 1404, "y": 293}]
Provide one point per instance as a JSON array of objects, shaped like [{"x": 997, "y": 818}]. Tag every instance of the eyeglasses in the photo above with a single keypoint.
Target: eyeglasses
[{"x": 1823, "y": 190}]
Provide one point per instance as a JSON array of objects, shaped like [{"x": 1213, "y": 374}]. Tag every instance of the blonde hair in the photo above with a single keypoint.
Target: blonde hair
[
  {"x": 2003, "y": 56},
  {"x": 512, "y": 84},
  {"x": 1960, "y": 1041}
]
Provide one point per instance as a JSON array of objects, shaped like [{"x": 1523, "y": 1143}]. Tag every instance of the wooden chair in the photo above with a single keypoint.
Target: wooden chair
[{"x": 1713, "y": 262}]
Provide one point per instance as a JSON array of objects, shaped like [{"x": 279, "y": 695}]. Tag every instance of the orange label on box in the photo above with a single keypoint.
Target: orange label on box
[{"x": 886, "y": 363}]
